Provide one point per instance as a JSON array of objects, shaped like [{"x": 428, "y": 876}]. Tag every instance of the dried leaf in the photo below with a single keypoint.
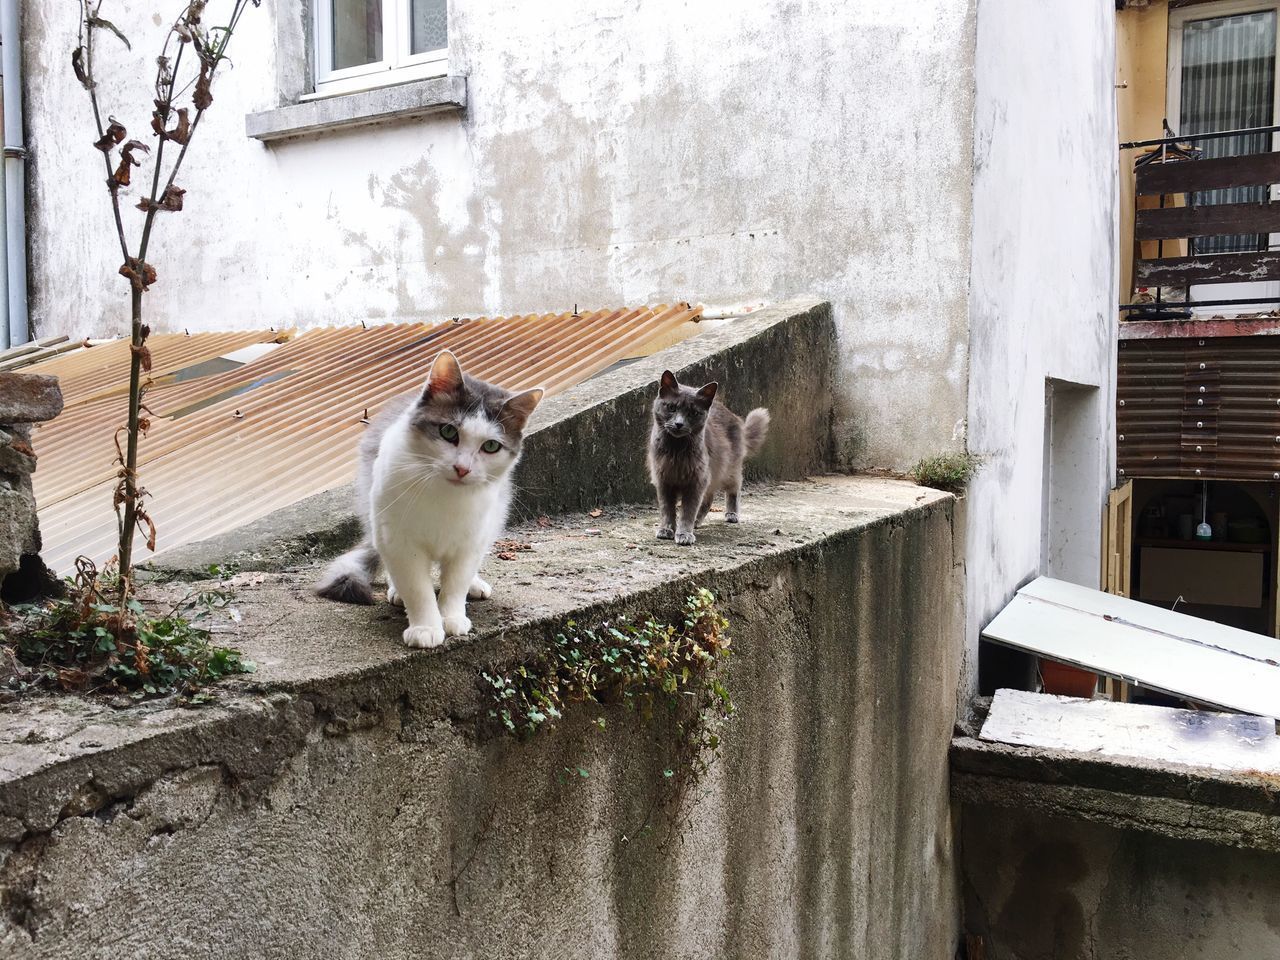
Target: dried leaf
[
  {"x": 172, "y": 198},
  {"x": 77, "y": 64},
  {"x": 140, "y": 275},
  {"x": 121, "y": 176},
  {"x": 597, "y": 512},
  {"x": 164, "y": 75},
  {"x": 127, "y": 160},
  {"x": 544, "y": 521},
  {"x": 114, "y": 134},
  {"x": 203, "y": 97},
  {"x": 145, "y": 522},
  {"x": 506, "y": 556},
  {"x": 108, "y": 25},
  {"x": 182, "y": 132},
  {"x": 144, "y": 355}
]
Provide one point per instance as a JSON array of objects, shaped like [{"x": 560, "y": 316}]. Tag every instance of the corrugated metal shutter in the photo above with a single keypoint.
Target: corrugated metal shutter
[{"x": 1207, "y": 408}]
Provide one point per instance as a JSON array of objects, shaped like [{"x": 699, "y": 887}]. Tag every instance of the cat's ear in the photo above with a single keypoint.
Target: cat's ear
[
  {"x": 516, "y": 411},
  {"x": 445, "y": 376},
  {"x": 707, "y": 394},
  {"x": 670, "y": 387}
]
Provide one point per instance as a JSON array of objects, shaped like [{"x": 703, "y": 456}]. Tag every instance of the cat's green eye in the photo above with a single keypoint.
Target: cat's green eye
[
  {"x": 449, "y": 432},
  {"x": 491, "y": 446}
]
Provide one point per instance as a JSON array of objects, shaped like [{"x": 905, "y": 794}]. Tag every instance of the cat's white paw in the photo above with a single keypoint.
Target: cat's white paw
[
  {"x": 685, "y": 539},
  {"x": 423, "y": 637},
  {"x": 458, "y": 626},
  {"x": 394, "y": 598},
  {"x": 479, "y": 590}
]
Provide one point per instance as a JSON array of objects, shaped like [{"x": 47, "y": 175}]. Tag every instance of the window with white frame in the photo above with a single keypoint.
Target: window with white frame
[{"x": 368, "y": 43}]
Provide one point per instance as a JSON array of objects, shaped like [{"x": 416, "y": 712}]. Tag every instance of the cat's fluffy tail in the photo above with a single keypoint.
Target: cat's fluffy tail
[
  {"x": 754, "y": 428},
  {"x": 348, "y": 579}
]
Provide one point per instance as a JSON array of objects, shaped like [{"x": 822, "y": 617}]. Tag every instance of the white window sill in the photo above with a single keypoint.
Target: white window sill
[{"x": 343, "y": 111}]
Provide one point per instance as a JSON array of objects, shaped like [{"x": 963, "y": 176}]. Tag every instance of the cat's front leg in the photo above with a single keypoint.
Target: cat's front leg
[
  {"x": 410, "y": 574},
  {"x": 667, "y": 511},
  {"x": 456, "y": 578},
  {"x": 690, "y": 503}
]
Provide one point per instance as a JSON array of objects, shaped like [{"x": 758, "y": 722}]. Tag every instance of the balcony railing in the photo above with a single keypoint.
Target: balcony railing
[{"x": 1178, "y": 176}]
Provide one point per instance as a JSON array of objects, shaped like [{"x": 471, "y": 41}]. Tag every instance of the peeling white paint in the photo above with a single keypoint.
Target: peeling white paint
[
  {"x": 621, "y": 152},
  {"x": 1044, "y": 271}
]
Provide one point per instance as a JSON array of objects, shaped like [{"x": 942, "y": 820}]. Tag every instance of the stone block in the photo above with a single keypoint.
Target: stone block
[
  {"x": 29, "y": 398},
  {"x": 16, "y": 454}
]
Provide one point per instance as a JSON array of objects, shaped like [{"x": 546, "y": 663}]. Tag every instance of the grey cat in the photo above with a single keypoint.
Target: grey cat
[{"x": 696, "y": 449}]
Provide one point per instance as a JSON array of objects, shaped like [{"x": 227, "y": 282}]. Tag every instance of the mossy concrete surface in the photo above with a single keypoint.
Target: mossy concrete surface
[
  {"x": 347, "y": 802},
  {"x": 586, "y": 447}
]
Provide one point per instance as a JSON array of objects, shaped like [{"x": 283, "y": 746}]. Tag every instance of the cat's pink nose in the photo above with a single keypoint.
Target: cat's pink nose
[{"x": 460, "y": 470}]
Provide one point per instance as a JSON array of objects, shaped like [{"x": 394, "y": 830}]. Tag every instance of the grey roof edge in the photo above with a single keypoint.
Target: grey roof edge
[{"x": 344, "y": 111}]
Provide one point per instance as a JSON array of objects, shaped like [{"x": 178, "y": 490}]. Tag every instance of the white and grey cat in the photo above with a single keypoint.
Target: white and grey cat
[{"x": 433, "y": 488}]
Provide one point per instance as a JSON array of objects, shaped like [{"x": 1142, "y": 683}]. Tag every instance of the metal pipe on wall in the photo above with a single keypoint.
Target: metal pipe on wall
[{"x": 15, "y": 155}]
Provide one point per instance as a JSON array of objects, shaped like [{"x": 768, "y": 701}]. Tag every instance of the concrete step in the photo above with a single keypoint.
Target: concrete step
[{"x": 342, "y": 802}]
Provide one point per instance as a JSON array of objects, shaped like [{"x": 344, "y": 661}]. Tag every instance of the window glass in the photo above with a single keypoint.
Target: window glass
[
  {"x": 357, "y": 32},
  {"x": 1228, "y": 83},
  {"x": 429, "y": 22}
]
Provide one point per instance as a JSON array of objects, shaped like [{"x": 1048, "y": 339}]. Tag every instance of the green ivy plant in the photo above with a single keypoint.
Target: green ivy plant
[
  {"x": 83, "y": 641},
  {"x": 645, "y": 666}
]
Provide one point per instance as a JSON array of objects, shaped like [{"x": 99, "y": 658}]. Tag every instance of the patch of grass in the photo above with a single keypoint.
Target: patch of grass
[
  {"x": 644, "y": 666},
  {"x": 83, "y": 642},
  {"x": 948, "y": 471}
]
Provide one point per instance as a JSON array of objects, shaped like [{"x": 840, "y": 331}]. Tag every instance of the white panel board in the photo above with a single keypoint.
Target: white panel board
[
  {"x": 1218, "y": 741},
  {"x": 1143, "y": 644}
]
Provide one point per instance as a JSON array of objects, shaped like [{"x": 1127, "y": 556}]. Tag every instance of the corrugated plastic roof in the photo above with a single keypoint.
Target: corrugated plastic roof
[{"x": 230, "y": 443}]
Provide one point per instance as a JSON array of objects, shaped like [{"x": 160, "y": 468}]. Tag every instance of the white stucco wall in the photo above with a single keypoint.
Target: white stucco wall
[
  {"x": 1044, "y": 272},
  {"x": 611, "y": 152}
]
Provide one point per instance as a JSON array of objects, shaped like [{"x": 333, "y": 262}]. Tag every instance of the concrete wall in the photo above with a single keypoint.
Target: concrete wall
[
  {"x": 1043, "y": 278},
  {"x": 1041, "y": 887},
  {"x": 611, "y": 153},
  {"x": 358, "y": 812}
]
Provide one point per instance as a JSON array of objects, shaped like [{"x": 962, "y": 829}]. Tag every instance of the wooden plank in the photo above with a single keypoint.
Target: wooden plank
[
  {"x": 1224, "y": 219},
  {"x": 1184, "y": 176},
  {"x": 1099, "y": 728},
  {"x": 9, "y": 356},
  {"x": 1211, "y": 268},
  {"x": 1140, "y": 643}
]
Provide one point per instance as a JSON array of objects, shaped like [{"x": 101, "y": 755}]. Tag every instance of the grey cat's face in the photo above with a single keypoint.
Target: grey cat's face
[
  {"x": 465, "y": 431},
  {"x": 681, "y": 411}
]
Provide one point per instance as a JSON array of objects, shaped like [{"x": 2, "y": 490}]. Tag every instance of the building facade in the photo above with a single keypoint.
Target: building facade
[{"x": 942, "y": 172}]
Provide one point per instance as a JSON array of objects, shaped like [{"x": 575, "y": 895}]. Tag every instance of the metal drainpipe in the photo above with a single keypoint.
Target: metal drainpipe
[{"x": 15, "y": 154}]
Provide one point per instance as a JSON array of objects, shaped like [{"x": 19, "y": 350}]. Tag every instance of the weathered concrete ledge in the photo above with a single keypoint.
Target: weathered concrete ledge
[
  {"x": 586, "y": 446},
  {"x": 401, "y": 101},
  {"x": 1170, "y": 800},
  {"x": 343, "y": 803}
]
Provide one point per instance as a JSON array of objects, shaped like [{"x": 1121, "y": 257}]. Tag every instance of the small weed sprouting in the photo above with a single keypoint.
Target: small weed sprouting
[
  {"x": 643, "y": 666},
  {"x": 83, "y": 642},
  {"x": 948, "y": 471}
]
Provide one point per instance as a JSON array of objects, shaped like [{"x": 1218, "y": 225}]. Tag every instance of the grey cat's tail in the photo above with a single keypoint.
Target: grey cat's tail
[
  {"x": 754, "y": 427},
  {"x": 348, "y": 578}
]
